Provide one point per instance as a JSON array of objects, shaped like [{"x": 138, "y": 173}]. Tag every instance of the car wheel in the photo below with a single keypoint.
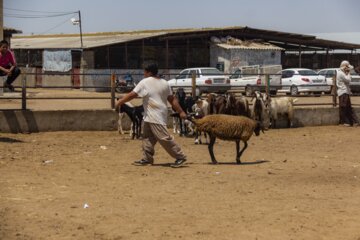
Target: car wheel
[
  {"x": 248, "y": 91},
  {"x": 273, "y": 92},
  {"x": 294, "y": 90}
]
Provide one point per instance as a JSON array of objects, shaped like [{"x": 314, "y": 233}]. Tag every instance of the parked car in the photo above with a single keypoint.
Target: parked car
[
  {"x": 248, "y": 83},
  {"x": 329, "y": 74},
  {"x": 302, "y": 80},
  {"x": 208, "y": 80}
]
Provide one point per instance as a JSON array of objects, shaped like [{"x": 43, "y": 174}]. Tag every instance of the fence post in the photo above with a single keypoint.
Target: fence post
[
  {"x": 193, "y": 85},
  {"x": 267, "y": 84},
  {"x": 334, "y": 91},
  {"x": 23, "y": 92},
  {"x": 113, "y": 90}
]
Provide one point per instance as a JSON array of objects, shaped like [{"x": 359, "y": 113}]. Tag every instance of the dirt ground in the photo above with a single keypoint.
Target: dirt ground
[{"x": 294, "y": 184}]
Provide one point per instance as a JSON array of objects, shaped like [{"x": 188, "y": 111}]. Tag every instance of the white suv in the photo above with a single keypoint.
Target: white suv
[{"x": 208, "y": 80}]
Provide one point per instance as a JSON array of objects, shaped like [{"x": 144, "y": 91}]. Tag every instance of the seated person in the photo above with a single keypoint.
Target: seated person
[{"x": 8, "y": 65}]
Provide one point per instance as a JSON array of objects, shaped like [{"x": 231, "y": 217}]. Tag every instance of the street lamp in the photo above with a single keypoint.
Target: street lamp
[{"x": 78, "y": 22}]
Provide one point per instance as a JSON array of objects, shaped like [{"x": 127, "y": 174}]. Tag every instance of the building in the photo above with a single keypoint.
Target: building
[{"x": 173, "y": 50}]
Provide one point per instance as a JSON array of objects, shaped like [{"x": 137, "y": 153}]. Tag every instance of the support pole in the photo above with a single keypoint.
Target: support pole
[
  {"x": 112, "y": 79},
  {"x": 334, "y": 92},
  {"x": 267, "y": 84},
  {"x": 23, "y": 92},
  {"x": 193, "y": 84}
]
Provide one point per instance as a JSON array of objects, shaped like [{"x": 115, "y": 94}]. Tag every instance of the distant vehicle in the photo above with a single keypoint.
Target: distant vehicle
[
  {"x": 208, "y": 80},
  {"x": 249, "y": 79},
  {"x": 126, "y": 84},
  {"x": 329, "y": 74},
  {"x": 302, "y": 80}
]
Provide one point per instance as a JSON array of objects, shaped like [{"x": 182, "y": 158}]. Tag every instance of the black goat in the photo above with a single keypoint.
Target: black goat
[{"x": 136, "y": 116}]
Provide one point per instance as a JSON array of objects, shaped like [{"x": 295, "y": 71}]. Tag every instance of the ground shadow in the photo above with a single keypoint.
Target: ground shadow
[
  {"x": 9, "y": 140},
  {"x": 242, "y": 163},
  {"x": 169, "y": 165}
]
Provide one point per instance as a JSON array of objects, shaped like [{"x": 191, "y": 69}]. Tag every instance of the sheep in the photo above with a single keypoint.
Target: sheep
[
  {"x": 282, "y": 106},
  {"x": 230, "y": 128}
]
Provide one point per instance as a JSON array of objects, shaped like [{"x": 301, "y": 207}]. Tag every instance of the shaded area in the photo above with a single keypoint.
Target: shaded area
[
  {"x": 9, "y": 140},
  {"x": 242, "y": 163}
]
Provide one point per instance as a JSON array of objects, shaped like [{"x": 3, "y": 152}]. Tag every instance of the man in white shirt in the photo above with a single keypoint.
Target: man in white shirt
[
  {"x": 156, "y": 92},
  {"x": 343, "y": 78}
]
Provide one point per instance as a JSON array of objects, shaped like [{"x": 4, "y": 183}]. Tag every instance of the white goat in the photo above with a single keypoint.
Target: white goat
[
  {"x": 200, "y": 109},
  {"x": 282, "y": 106}
]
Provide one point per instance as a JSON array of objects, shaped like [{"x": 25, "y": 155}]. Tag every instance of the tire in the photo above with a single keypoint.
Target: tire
[
  {"x": 273, "y": 92},
  {"x": 294, "y": 90},
  {"x": 248, "y": 91}
]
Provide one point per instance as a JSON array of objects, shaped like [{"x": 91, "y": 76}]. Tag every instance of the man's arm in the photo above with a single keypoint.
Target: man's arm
[
  {"x": 128, "y": 97},
  {"x": 176, "y": 106}
]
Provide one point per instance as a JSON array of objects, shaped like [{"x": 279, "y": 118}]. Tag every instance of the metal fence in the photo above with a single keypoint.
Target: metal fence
[{"x": 266, "y": 86}]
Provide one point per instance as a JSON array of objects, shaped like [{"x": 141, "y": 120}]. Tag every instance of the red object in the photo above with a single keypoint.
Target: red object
[
  {"x": 208, "y": 81},
  {"x": 305, "y": 79}
]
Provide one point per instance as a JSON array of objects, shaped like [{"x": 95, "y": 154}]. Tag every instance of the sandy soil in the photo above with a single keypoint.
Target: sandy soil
[{"x": 294, "y": 184}]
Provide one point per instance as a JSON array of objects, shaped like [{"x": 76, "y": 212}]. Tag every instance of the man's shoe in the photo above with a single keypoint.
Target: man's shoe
[
  {"x": 142, "y": 162},
  {"x": 178, "y": 163},
  {"x": 346, "y": 125},
  {"x": 9, "y": 86}
]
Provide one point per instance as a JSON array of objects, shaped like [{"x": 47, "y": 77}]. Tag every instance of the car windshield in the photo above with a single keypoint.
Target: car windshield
[
  {"x": 307, "y": 72},
  {"x": 211, "y": 71}
]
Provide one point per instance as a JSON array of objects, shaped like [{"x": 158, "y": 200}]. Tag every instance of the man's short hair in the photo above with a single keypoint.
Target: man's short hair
[{"x": 152, "y": 68}]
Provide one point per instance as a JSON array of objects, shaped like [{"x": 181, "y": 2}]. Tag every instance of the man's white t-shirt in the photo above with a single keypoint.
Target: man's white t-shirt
[{"x": 154, "y": 92}]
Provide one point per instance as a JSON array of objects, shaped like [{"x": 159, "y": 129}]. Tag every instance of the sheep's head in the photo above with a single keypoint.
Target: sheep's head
[{"x": 259, "y": 127}]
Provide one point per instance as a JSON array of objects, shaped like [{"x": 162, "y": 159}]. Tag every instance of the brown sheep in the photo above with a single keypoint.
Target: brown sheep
[{"x": 229, "y": 128}]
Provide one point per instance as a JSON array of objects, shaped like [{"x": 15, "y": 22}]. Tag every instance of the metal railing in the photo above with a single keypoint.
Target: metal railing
[{"x": 112, "y": 88}]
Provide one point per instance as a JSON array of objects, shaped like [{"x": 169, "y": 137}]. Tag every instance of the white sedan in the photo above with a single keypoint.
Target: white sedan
[
  {"x": 208, "y": 80},
  {"x": 298, "y": 80}
]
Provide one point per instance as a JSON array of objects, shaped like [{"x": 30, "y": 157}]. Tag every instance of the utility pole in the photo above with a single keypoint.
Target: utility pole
[{"x": 81, "y": 40}]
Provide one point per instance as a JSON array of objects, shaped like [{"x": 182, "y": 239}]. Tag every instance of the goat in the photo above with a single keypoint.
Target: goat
[
  {"x": 178, "y": 123},
  {"x": 230, "y": 128},
  {"x": 120, "y": 123},
  {"x": 282, "y": 106},
  {"x": 259, "y": 110},
  {"x": 200, "y": 109},
  {"x": 136, "y": 115}
]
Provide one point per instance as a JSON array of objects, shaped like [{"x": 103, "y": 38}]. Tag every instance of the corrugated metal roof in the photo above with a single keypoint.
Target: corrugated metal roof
[
  {"x": 235, "y": 43},
  {"x": 73, "y": 41},
  {"x": 92, "y": 40}
]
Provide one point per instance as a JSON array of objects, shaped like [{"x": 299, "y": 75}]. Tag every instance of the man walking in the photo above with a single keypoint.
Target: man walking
[{"x": 155, "y": 93}]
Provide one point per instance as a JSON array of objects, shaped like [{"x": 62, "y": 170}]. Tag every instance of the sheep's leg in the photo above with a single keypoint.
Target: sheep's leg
[
  {"x": 238, "y": 152},
  {"x": 241, "y": 152},
  {"x": 211, "y": 149}
]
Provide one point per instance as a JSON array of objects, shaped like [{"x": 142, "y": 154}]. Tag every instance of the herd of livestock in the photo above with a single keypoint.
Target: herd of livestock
[{"x": 228, "y": 117}]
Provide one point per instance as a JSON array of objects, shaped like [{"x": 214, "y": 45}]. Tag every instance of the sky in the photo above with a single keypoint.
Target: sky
[{"x": 335, "y": 19}]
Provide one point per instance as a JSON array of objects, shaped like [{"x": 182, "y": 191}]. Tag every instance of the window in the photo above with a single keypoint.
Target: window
[
  {"x": 183, "y": 74},
  {"x": 210, "y": 72},
  {"x": 307, "y": 72}
]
